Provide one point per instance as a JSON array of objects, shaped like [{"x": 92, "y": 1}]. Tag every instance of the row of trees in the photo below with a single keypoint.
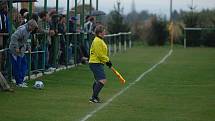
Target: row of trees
[
  {"x": 203, "y": 19},
  {"x": 153, "y": 29}
]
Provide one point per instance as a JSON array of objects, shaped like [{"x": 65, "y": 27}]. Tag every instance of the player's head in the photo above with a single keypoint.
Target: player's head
[{"x": 100, "y": 31}]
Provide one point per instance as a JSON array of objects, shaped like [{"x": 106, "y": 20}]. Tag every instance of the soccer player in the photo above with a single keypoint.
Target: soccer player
[{"x": 98, "y": 57}]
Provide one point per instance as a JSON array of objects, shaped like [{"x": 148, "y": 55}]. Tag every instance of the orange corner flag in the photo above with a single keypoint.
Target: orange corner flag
[{"x": 121, "y": 79}]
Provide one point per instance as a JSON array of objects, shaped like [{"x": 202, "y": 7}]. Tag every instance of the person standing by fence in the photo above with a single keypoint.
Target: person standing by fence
[
  {"x": 4, "y": 30},
  {"x": 44, "y": 28},
  {"x": 18, "y": 46}
]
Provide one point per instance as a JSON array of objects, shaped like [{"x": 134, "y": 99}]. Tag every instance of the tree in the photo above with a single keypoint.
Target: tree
[
  {"x": 86, "y": 9},
  {"x": 156, "y": 31},
  {"x": 116, "y": 22}
]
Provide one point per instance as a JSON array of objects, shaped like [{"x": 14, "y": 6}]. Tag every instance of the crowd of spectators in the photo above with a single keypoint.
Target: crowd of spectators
[{"x": 51, "y": 25}]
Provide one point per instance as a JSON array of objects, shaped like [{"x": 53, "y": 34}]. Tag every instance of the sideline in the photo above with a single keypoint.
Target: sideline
[{"x": 90, "y": 114}]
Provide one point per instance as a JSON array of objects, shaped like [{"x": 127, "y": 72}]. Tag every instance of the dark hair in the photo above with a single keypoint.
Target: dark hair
[
  {"x": 55, "y": 19},
  {"x": 92, "y": 19},
  {"x": 52, "y": 12},
  {"x": 43, "y": 14},
  {"x": 87, "y": 17},
  {"x": 99, "y": 29},
  {"x": 35, "y": 17},
  {"x": 62, "y": 16},
  {"x": 23, "y": 10},
  {"x": 3, "y": 4}
]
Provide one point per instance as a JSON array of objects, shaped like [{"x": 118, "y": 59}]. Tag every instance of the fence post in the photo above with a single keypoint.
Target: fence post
[
  {"x": 129, "y": 35},
  {"x": 30, "y": 9},
  {"x": 90, "y": 6},
  {"x": 185, "y": 40},
  {"x": 76, "y": 11},
  {"x": 125, "y": 43},
  {"x": 45, "y": 5},
  {"x": 29, "y": 66},
  {"x": 57, "y": 6},
  {"x": 65, "y": 37},
  {"x": 109, "y": 45},
  {"x": 120, "y": 42},
  {"x": 115, "y": 35},
  {"x": 10, "y": 33},
  {"x": 67, "y": 17},
  {"x": 55, "y": 41},
  {"x": 44, "y": 51},
  {"x": 36, "y": 54},
  {"x": 75, "y": 56}
]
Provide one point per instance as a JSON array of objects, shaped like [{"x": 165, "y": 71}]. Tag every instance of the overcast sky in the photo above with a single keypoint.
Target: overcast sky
[{"x": 154, "y": 6}]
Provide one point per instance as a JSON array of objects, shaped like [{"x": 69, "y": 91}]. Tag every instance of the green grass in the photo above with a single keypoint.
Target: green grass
[{"x": 180, "y": 89}]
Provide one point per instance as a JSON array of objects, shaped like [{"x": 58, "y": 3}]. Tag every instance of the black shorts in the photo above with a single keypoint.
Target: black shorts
[{"x": 98, "y": 71}]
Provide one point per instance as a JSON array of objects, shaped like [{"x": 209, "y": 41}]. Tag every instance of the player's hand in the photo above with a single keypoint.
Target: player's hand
[{"x": 109, "y": 64}]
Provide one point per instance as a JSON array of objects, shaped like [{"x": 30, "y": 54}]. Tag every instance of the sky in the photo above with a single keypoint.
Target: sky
[{"x": 153, "y": 6}]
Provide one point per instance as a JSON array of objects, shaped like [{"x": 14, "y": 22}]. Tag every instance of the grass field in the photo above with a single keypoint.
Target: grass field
[{"x": 180, "y": 89}]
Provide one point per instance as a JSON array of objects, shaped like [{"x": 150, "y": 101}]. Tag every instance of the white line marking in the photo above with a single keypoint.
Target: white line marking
[{"x": 90, "y": 114}]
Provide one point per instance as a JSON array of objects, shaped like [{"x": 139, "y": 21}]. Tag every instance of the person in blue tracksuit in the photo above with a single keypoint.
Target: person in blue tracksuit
[{"x": 18, "y": 46}]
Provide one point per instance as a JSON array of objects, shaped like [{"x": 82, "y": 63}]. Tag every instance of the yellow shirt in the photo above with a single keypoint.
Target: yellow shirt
[{"x": 98, "y": 51}]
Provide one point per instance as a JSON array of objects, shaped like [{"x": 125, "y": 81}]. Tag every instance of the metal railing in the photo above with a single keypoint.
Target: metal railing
[
  {"x": 118, "y": 42},
  {"x": 72, "y": 44}
]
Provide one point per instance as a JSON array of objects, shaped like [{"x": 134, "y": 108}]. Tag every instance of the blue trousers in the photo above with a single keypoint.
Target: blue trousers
[{"x": 19, "y": 68}]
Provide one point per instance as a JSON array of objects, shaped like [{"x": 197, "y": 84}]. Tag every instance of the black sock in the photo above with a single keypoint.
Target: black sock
[
  {"x": 97, "y": 89},
  {"x": 94, "y": 84}
]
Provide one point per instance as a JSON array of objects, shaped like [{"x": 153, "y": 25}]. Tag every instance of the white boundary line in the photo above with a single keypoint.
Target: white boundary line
[{"x": 90, "y": 114}]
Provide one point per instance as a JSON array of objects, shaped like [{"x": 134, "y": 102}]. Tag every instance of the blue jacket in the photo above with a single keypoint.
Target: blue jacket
[{"x": 6, "y": 22}]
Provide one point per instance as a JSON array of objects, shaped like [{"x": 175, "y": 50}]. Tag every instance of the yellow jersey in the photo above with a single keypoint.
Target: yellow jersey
[{"x": 98, "y": 51}]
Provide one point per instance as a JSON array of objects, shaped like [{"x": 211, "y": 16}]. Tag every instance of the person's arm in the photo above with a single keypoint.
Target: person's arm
[
  {"x": 14, "y": 46},
  {"x": 28, "y": 46},
  {"x": 44, "y": 31},
  {"x": 64, "y": 27},
  {"x": 42, "y": 28}
]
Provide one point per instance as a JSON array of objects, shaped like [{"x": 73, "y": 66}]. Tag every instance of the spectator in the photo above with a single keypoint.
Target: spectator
[
  {"x": 23, "y": 11},
  {"x": 18, "y": 46},
  {"x": 44, "y": 27},
  {"x": 4, "y": 21},
  {"x": 62, "y": 24},
  {"x": 16, "y": 20},
  {"x": 34, "y": 44},
  {"x": 43, "y": 23},
  {"x": 62, "y": 30},
  {"x": 35, "y": 17},
  {"x": 55, "y": 52},
  {"x": 24, "y": 15},
  {"x": 82, "y": 55},
  {"x": 4, "y": 28},
  {"x": 88, "y": 29},
  {"x": 88, "y": 25},
  {"x": 72, "y": 24},
  {"x": 54, "y": 21}
]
